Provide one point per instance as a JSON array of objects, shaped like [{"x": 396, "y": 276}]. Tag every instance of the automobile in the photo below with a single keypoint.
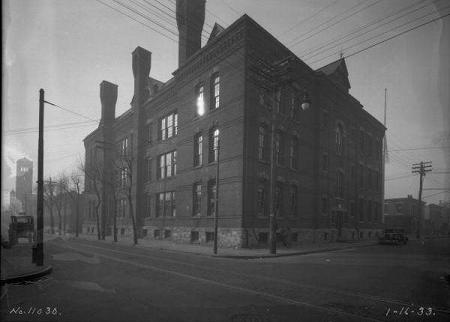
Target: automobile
[
  {"x": 394, "y": 237},
  {"x": 21, "y": 226}
]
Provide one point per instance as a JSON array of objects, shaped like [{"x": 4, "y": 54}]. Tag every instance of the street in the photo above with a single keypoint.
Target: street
[{"x": 92, "y": 281}]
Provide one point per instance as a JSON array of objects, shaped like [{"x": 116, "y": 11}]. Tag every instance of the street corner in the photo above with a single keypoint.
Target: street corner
[{"x": 75, "y": 256}]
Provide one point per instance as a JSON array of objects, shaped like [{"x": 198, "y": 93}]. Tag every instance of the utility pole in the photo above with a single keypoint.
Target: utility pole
[
  {"x": 39, "y": 250},
  {"x": 272, "y": 219},
  {"x": 422, "y": 168},
  {"x": 216, "y": 201}
]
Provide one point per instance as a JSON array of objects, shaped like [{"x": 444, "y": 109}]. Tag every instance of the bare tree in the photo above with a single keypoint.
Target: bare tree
[
  {"x": 94, "y": 173},
  {"x": 73, "y": 190},
  {"x": 124, "y": 166},
  {"x": 60, "y": 199},
  {"x": 49, "y": 200},
  {"x": 113, "y": 183}
]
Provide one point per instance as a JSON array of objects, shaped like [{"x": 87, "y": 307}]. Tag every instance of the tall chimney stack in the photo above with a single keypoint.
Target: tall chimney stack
[
  {"x": 190, "y": 19},
  {"x": 108, "y": 99}
]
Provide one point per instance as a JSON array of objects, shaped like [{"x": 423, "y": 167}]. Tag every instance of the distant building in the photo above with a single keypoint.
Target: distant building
[
  {"x": 439, "y": 219},
  {"x": 24, "y": 179},
  {"x": 328, "y": 158},
  {"x": 403, "y": 213}
]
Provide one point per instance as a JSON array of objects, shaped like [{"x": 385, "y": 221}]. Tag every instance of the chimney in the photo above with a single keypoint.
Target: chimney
[
  {"x": 142, "y": 62},
  {"x": 108, "y": 99},
  {"x": 190, "y": 19}
]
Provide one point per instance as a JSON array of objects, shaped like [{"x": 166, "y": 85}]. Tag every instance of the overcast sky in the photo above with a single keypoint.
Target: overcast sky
[{"x": 68, "y": 47}]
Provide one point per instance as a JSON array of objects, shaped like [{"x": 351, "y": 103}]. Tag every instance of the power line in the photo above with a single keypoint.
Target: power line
[
  {"x": 140, "y": 22},
  {"x": 335, "y": 23},
  {"x": 309, "y": 17},
  {"x": 70, "y": 111},
  {"x": 317, "y": 50},
  {"x": 384, "y": 40}
]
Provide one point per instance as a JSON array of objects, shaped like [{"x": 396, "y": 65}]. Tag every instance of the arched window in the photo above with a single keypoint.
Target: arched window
[
  {"x": 262, "y": 142},
  {"x": 215, "y": 91},
  {"x": 339, "y": 139}
]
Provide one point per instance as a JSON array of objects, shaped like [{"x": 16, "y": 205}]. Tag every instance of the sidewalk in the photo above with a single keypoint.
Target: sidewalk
[
  {"x": 236, "y": 253},
  {"x": 17, "y": 266}
]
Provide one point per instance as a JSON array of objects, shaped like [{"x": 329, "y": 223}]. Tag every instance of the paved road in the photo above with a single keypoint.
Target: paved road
[{"x": 100, "y": 282}]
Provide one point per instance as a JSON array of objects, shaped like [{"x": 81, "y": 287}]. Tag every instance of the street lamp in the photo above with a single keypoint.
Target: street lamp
[{"x": 306, "y": 101}]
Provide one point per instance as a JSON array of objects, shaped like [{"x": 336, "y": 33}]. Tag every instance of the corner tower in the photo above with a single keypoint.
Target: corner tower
[{"x": 190, "y": 19}]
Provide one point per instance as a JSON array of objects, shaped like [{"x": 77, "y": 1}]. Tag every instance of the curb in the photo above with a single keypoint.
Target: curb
[
  {"x": 323, "y": 250},
  {"x": 262, "y": 256},
  {"x": 27, "y": 277}
]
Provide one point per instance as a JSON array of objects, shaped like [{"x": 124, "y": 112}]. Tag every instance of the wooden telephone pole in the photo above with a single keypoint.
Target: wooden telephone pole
[{"x": 421, "y": 168}]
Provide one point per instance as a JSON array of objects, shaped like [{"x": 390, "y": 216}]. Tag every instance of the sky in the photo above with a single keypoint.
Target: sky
[{"x": 69, "y": 47}]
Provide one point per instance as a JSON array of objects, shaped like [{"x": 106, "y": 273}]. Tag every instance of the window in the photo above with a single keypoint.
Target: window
[
  {"x": 167, "y": 165},
  {"x": 339, "y": 184},
  {"x": 215, "y": 91},
  {"x": 376, "y": 212},
  {"x": 361, "y": 176},
  {"x": 197, "y": 199},
  {"x": 159, "y": 204},
  {"x": 123, "y": 208},
  {"x": 124, "y": 147},
  {"x": 339, "y": 139},
  {"x": 211, "y": 197},
  {"x": 369, "y": 210},
  {"x": 361, "y": 210},
  {"x": 198, "y": 150},
  {"x": 278, "y": 198},
  {"x": 361, "y": 141},
  {"x": 278, "y": 100},
  {"x": 209, "y": 236},
  {"x": 325, "y": 162},
  {"x": 148, "y": 131},
  {"x": 292, "y": 109},
  {"x": 263, "y": 238},
  {"x": 148, "y": 206},
  {"x": 324, "y": 122},
  {"x": 194, "y": 236},
  {"x": 168, "y": 126},
  {"x": 369, "y": 146},
  {"x": 148, "y": 169},
  {"x": 167, "y": 233},
  {"x": 353, "y": 174},
  {"x": 165, "y": 204},
  {"x": 278, "y": 148},
  {"x": 293, "y": 153},
  {"x": 213, "y": 144},
  {"x": 200, "y": 99},
  {"x": 369, "y": 178},
  {"x": 124, "y": 177},
  {"x": 261, "y": 200},
  {"x": 293, "y": 197},
  {"x": 324, "y": 207},
  {"x": 262, "y": 142}
]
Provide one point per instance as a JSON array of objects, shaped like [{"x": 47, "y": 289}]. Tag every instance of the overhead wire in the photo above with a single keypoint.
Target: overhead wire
[
  {"x": 383, "y": 40},
  {"x": 295, "y": 43},
  {"x": 358, "y": 30}
]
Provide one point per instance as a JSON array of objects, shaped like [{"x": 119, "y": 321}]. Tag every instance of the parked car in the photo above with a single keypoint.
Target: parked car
[{"x": 394, "y": 237}]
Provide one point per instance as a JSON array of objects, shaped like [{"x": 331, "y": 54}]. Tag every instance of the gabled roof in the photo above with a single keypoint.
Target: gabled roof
[
  {"x": 337, "y": 72},
  {"x": 217, "y": 29}
]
